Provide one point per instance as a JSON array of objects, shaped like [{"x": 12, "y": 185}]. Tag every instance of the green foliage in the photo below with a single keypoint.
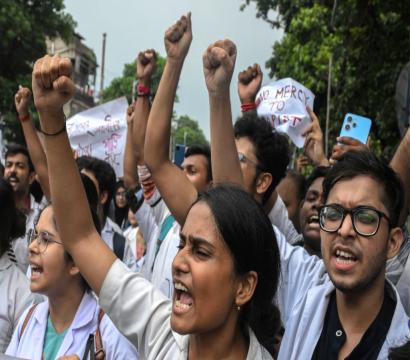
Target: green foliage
[
  {"x": 122, "y": 86},
  {"x": 188, "y": 129},
  {"x": 24, "y": 26},
  {"x": 369, "y": 43}
]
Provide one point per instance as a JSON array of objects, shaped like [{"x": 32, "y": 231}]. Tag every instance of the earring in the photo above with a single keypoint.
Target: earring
[{"x": 239, "y": 308}]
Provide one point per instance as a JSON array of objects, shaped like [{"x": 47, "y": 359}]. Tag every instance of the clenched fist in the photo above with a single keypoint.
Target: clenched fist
[
  {"x": 249, "y": 83},
  {"x": 146, "y": 62},
  {"x": 178, "y": 38},
  {"x": 52, "y": 85},
  {"x": 22, "y": 101},
  {"x": 219, "y": 63}
]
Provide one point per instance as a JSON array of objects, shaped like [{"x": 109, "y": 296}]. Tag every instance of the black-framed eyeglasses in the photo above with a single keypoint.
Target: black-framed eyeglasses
[
  {"x": 365, "y": 219},
  {"x": 243, "y": 159},
  {"x": 43, "y": 238}
]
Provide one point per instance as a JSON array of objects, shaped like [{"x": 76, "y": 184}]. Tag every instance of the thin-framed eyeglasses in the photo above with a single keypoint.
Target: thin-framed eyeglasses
[
  {"x": 244, "y": 159},
  {"x": 43, "y": 238},
  {"x": 121, "y": 194},
  {"x": 365, "y": 219}
]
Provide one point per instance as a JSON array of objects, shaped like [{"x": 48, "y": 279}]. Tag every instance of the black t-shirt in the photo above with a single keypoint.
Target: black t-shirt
[{"x": 333, "y": 335}]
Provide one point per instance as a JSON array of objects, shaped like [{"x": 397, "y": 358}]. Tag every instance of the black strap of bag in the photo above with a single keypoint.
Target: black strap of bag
[{"x": 89, "y": 348}]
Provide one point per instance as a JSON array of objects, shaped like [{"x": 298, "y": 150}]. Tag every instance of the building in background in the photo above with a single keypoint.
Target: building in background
[{"x": 84, "y": 71}]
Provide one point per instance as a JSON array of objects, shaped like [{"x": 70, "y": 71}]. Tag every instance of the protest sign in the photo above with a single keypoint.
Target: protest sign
[
  {"x": 101, "y": 132},
  {"x": 283, "y": 104}
]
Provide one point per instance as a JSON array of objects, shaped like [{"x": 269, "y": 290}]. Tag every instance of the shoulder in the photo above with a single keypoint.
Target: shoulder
[{"x": 112, "y": 226}]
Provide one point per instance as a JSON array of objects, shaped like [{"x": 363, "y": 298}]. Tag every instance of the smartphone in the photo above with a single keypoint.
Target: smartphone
[
  {"x": 356, "y": 127},
  {"x": 179, "y": 154}
]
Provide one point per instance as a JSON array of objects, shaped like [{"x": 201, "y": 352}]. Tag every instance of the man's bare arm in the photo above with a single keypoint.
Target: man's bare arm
[
  {"x": 38, "y": 157},
  {"x": 176, "y": 190}
]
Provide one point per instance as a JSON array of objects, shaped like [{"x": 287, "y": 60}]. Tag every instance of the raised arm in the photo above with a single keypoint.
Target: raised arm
[
  {"x": 38, "y": 157},
  {"x": 249, "y": 83},
  {"x": 401, "y": 164},
  {"x": 52, "y": 88},
  {"x": 130, "y": 163},
  {"x": 219, "y": 62},
  {"x": 176, "y": 190}
]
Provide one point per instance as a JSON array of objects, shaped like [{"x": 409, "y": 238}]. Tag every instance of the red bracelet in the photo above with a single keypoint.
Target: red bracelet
[
  {"x": 143, "y": 90},
  {"x": 24, "y": 118},
  {"x": 248, "y": 106}
]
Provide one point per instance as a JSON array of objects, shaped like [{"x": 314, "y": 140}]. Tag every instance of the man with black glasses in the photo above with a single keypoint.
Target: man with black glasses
[{"x": 343, "y": 307}]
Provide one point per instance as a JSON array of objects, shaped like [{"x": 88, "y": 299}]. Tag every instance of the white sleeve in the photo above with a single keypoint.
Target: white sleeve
[
  {"x": 146, "y": 221},
  {"x": 139, "y": 311},
  {"x": 279, "y": 217},
  {"x": 299, "y": 272},
  {"x": 116, "y": 346}
]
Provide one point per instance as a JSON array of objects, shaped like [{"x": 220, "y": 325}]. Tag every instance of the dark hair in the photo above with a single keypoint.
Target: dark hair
[
  {"x": 401, "y": 352},
  {"x": 104, "y": 173},
  {"x": 12, "y": 221},
  {"x": 318, "y": 172},
  {"x": 14, "y": 149},
  {"x": 249, "y": 235},
  {"x": 357, "y": 163},
  {"x": 201, "y": 149},
  {"x": 299, "y": 182},
  {"x": 271, "y": 148}
]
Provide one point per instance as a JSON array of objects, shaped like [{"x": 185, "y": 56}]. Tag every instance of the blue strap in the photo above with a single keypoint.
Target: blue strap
[{"x": 165, "y": 227}]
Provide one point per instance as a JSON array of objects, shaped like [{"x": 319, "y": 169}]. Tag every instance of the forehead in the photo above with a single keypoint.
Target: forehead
[
  {"x": 196, "y": 160},
  {"x": 46, "y": 220},
  {"x": 200, "y": 223},
  {"x": 19, "y": 157},
  {"x": 360, "y": 190},
  {"x": 245, "y": 146}
]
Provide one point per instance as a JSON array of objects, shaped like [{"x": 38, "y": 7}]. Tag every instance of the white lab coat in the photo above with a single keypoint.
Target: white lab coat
[
  {"x": 303, "y": 298},
  {"x": 30, "y": 345},
  {"x": 142, "y": 313},
  {"x": 15, "y": 297}
]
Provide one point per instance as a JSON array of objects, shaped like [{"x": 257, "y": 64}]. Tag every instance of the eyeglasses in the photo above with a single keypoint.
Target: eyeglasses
[
  {"x": 43, "y": 239},
  {"x": 244, "y": 159},
  {"x": 121, "y": 194},
  {"x": 365, "y": 219}
]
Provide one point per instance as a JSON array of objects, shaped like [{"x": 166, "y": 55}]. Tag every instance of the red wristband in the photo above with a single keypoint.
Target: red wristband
[
  {"x": 248, "y": 106},
  {"x": 24, "y": 118},
  {"x": 143, "y": 90}
]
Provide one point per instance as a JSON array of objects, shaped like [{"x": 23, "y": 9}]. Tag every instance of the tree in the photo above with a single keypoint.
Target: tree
[
  {"x": 24, "y": 26},
  {"x": 187, "y": 131},
  {"x": 122, "y": 86},
  {"x": 369, "y": 44}
]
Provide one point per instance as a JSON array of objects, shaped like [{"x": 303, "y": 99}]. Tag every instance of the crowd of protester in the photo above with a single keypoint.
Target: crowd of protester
[{"x": 232, "y": 255}]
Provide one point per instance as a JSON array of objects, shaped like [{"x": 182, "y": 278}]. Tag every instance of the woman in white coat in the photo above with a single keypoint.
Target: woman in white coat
[
  {"x": 225, "y": 273},
  {"x": 62, "y": 325}
]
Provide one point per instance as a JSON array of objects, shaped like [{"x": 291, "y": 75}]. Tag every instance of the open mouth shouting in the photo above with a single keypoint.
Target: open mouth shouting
[
  {"x": 182, "y": 299},
  {"x": 36, "y": 271},
  {"x": 344, "y": 259}
]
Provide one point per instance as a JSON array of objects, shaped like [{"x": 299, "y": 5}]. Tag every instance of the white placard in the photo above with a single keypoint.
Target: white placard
[
  {"x": 101, "y": 132},
  {"x": 283, "y": 104}
]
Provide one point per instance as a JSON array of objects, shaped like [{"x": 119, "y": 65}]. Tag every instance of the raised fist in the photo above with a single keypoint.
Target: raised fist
[
  {"x": 178, "y": 38},
  {"x": 219, "y": 63},
  {"x": 146, "y": 62},
  {"x": 51, "y": 84},
  {"x": 130, "y": 113},
  {"x": 22, "y": 101},
  {"x": 249, "y": 83}
]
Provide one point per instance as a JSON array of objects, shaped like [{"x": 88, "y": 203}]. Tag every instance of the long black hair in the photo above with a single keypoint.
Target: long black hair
[
  {"x": 251, "y": 240},
  {"x": 12, "y": 221}
]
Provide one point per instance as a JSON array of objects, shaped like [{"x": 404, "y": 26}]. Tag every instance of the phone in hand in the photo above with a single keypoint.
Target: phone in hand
[
  {"x": 356, "y": 127},
  {"x": 179, "y": 154}
]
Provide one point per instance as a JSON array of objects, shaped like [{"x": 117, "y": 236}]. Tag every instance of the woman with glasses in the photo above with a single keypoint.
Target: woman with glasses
[
  {"x": 69, "y": 318},
  {"x": 15, "y": 293}
]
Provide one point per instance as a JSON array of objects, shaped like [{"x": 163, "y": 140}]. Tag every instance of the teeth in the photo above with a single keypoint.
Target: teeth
[
  {"x": 344, "y": 254},
  {"x": 179, "y": 286},
  {"x": 181, "y": 305}
]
